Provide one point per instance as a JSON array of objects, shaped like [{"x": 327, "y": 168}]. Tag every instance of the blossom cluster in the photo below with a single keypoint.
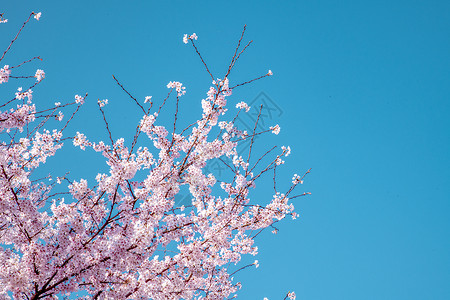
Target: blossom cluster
[
  {"x": 296, "y": 179},
  {"x": 275, "y": 129},
  {"x": 79, "y": 99},
  {"x": 40, "y": 74},
  {"x": 5, "y": 72},
  {"x": 243, "y": 105},
  {"x": 102, "y": 103},
  {"x": 178, "y": 86},
  {"x": 186, "y": 38}
]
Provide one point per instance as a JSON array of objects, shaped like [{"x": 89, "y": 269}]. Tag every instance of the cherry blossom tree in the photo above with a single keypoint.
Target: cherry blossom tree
[{"x": 124, "y": 236}]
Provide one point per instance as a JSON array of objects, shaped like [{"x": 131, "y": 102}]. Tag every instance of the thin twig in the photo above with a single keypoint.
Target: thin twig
[
  {"x": 17, "y": 35},
  {"x": 235, "y": 52},
  {"x": 27, "y": 61},
  {"x": 201, "y": 58},
  {"x": 246, "y": 82},
  {"x": 129, "y": 94}
]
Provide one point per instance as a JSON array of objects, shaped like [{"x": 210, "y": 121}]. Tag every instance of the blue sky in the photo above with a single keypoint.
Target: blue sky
[{"x": 363, "y": 94}]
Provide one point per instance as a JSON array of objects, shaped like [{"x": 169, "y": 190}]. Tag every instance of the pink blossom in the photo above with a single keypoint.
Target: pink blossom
[
  {"x": 279, "y": 161},
  {"x": 79, "y": 99},
  {"x": 40, "y": 74},
  {"x": 178, "y": 87},
  {"x": 243, "y": 105},
  {"x": 256, "y": 263},
  {"x": 60, "y": 116},
  {"x": 81, "y": 141},
  {"x": 22, "y": 95},
  {"x": 296, "y": 180},
  {"x": 5, "y": 72},
  {"x": 286, "y": 150},
  {"x": 186, "y": 38},
  {"x": 37, "y": 16},
  {"x": 275, "y": 129},
  {"x": 102, "y": 103}
]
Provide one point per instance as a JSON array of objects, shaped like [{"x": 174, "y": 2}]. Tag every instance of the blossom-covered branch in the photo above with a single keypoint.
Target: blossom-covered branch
[{"x": 124, "y": 236}]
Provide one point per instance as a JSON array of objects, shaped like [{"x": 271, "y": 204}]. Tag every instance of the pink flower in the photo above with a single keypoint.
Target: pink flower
[
  {"x": 296, "y": 180},
  {"x": 178, "y": 87},
  {"x": 193, "y": 36},
  {"x": 79, "y": 99},
  {"x": 5, "y": 72},
  {"x": 279, "y": 161},
  {"x": 186, "y": 38},
  {"x": 22, "y": 95},
  {"x": 244, "y": 105},
  {"x": 286, "y": 150},
  {"x": 102, "y": 103},
  {"x": 37, "y": 16},
  {"x": 60, "y": 116},
  {"x": 256, "y": 263},
  {"x": 275, "y": 129},
  {"x": 40, "y": 74},
  {"x": 81, "y": 141}
]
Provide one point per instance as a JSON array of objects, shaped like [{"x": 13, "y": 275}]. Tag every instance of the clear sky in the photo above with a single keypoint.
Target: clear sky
[{"x": 361, "y": 91}]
